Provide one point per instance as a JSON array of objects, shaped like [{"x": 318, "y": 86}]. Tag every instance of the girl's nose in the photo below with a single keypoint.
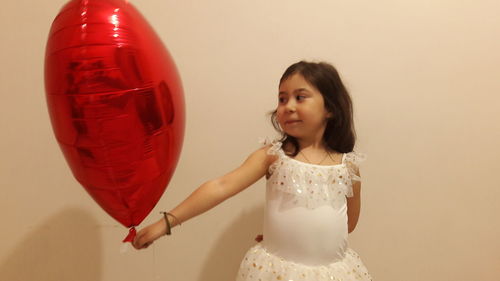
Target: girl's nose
[{"x": 290, "y": 106}]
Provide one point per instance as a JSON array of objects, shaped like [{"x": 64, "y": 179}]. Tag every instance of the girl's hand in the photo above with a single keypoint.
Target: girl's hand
[
  {"x": 149, "y": 234},
  {"x": 259, "y": 238}
]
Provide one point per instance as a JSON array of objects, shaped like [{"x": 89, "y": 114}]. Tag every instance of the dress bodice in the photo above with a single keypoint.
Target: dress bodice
[{"x": 306, "y": 207}]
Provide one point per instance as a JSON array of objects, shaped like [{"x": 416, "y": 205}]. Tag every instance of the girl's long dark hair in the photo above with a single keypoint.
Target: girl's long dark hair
[{"x": 339, "y": 133}]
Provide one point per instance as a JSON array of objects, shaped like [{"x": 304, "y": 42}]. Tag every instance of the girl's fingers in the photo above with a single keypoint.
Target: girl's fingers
[
  {"x": 144, "y": 238},
  {"x": 138, "y": 242}
]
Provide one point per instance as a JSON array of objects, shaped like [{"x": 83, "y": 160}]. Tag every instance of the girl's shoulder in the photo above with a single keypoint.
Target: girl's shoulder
[
  {"x": 354, "y": 157},
  {"x": 352, "y": 161},
  {"x": 270, "y": 150}
]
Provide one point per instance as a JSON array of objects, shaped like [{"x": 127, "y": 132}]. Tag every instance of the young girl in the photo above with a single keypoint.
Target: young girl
[{"x": 313, "y": 185}]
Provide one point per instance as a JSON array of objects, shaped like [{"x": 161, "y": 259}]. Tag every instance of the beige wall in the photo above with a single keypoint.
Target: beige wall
[{"x": 425, "y": 79}]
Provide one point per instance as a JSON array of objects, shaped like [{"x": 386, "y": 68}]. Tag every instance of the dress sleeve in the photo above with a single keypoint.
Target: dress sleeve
[
  {"x": 352, "y": 161},
  {"x": 274, "y": 149}
]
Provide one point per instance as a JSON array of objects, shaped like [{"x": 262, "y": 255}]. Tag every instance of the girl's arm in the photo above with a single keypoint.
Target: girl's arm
[
  {"x": 354, "y": 205},
  {"x": 209, "y": 195}
]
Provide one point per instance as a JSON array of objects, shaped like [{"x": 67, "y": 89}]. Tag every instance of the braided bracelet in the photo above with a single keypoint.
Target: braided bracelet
[
  {"x": 167, "y": 222},
  {"x": 175, "y": 218}
]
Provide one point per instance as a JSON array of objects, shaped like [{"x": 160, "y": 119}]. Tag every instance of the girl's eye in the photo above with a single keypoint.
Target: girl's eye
[
  {"x": 281, "y": 100},
  {"x": 299, "y": 98}
]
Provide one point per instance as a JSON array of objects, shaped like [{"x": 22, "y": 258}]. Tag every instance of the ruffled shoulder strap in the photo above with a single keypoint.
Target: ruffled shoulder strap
[
  {"x": 275, "y": 148},
  {"x": 353, "y": 160}
]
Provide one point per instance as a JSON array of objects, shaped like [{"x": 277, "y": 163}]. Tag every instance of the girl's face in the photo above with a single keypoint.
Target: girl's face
[{"x": 301, "y": 110}]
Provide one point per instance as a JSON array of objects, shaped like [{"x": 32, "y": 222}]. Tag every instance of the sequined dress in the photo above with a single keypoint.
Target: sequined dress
[{"x": 305, "y": 223}]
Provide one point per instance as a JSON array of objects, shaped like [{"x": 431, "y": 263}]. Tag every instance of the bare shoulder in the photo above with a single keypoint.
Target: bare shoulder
[
  {"x": 261, "y": 156},
  {"x": 254, "y": 167}
]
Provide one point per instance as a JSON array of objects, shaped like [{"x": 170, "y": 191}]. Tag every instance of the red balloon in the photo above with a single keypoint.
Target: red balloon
[{"x": 116, "y": 105}]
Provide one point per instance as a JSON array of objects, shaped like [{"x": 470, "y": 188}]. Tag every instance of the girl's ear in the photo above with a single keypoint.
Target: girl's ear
[{"x": 329, "y": 115}]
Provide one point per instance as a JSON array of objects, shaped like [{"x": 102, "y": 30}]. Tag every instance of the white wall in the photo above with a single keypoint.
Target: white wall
[{"x": 424, "y": 77}]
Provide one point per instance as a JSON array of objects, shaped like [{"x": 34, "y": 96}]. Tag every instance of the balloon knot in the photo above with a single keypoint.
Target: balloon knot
[{"x": 131, "y": 235}]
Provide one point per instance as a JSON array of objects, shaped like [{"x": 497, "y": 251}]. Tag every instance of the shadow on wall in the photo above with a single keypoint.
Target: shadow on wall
[
  {"x": 64, "y": 247},
  {"x": 229, "y": 249}
]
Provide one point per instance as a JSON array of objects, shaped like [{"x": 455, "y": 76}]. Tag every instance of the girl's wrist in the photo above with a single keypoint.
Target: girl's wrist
[
  {"x": 174, "y": 221},
  {"x": 168, "y": 222}
]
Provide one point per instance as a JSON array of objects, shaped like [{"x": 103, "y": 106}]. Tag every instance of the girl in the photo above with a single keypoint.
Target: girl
[{"x": 313, "y": 185}]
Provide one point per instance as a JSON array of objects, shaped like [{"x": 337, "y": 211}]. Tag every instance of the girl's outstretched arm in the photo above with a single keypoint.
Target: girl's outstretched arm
[{"x": 209, "y": 195}]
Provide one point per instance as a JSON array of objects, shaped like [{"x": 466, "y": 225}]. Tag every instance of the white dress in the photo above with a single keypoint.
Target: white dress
[{"x": 305, "y": 223}]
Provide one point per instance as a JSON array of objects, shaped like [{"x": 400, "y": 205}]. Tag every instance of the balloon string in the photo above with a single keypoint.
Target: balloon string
[{"x": 155, "y": 274}]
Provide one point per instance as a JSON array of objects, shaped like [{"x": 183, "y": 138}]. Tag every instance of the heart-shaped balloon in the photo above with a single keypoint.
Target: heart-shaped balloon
[{"x": 116, "y": 105}]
